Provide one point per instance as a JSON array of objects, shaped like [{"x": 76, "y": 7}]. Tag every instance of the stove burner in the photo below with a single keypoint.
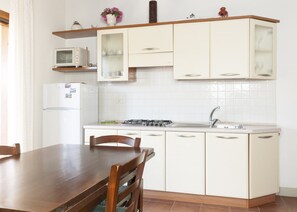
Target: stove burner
[{"x": 145, "y": 122}]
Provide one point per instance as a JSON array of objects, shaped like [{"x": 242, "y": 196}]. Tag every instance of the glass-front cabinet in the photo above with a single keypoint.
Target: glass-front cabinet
[
  {"x": 263, "y": 49},
  {"x": 112, "y": 56}
]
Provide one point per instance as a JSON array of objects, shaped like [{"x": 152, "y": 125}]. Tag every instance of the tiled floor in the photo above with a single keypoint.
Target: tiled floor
[{"x": 282, "y": 204}]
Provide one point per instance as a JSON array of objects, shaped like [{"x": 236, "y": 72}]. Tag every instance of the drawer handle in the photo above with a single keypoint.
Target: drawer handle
[
  {"x": 223, "y": 137},
  {"x": 149, "y": 49},
  {"x": 264, "y": 75},
  {"x": 192, "y": 75},
  {"x": 265, "y": 137},
  {"x": 229, "y": 74},
  {"x": 154, "y": 135},
  {"x": 186, "y": 136}
]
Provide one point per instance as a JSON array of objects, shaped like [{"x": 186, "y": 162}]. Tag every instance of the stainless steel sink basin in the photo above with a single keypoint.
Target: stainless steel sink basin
[{"x": 194, "y": 125}]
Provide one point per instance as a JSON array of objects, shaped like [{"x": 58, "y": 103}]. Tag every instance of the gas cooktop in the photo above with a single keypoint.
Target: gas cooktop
[{"x": 146, "y": 122}]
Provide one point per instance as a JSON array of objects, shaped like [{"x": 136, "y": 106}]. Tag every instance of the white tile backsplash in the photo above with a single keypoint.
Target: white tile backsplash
[{"x": 156, "y": 95}]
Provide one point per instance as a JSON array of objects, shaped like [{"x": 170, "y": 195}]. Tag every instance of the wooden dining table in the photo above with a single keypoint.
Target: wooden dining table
[{"x": 60, "y": 177}]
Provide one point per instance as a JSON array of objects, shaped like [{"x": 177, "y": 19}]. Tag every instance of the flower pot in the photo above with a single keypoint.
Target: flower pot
[{"x": 111, "y": 20}]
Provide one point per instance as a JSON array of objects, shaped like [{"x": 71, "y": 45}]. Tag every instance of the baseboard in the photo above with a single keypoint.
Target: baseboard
[
  {"x": 212, "y": 200},
  {"x": 288, "y": 192}
]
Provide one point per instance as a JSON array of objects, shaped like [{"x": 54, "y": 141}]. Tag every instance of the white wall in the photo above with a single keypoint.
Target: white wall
[
  {"x": 4, "y": 5},
  {"x": 168, "y": 10}
]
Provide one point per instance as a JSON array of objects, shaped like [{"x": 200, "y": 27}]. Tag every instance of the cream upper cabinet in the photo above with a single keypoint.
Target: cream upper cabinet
[
  {"x": 185, "y": 162},
  {"x": 227, "y": 165},
  {"x": 191, "y": 50},
  {"x": 151, "y": 46},
  {"x": 112, "y": 56},
  {"x": 263, "y": 164},
  {"x": 154, "y": 172},
  {"x": 263, "y": 50},
  {"x": 229, "y": 47}
]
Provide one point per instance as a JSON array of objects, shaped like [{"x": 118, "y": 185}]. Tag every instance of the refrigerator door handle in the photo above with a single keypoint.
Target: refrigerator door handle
[{"x": 61, "y": 108}]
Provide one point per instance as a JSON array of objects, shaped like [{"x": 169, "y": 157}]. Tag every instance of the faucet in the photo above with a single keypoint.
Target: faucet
[{"x": 212, "y": 121}]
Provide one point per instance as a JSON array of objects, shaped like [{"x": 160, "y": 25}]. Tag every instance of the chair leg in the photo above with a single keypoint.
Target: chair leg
[{"x": 140, "y": 200}]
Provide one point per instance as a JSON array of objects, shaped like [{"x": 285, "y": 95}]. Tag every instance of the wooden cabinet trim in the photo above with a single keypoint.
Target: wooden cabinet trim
[{"x": 92, "y": 32}]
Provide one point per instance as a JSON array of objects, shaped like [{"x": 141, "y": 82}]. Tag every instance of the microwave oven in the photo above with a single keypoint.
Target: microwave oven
[{"x": 70, "y": 57}]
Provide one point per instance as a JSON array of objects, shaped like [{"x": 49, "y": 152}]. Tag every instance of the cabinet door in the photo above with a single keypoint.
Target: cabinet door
[
  {"x": 154, "y": 171},
  {"x": 191, "y": 51},
  {"x": 185, "y": 162},
  {"x": 151, "y": 46},
  {"x": 112, "y": 55},
  {"x": 97, "y": 133},
  {"x": 229, "y": 49},
  {"x": 263, "y": 50},
  {"x": 130, "y": 133},
  {"x": 263, "y": 164},
  {"x": 227, "y": 165}
]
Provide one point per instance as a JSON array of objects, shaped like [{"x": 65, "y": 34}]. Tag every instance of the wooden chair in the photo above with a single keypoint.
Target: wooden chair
[
  {"x": 115, "y": 139},
  {"x": 129, "y": 173},
  {"x": 10, "y": 150}
]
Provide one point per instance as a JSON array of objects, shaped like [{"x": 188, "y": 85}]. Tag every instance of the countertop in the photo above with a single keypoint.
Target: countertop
[{"x": 247, "y": 128}]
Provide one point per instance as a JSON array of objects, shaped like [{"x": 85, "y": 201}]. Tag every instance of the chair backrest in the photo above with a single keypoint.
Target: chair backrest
[
  {"x": 115, "y": 139},
  {"x": 130, "y": 173},
  {"x": 10, "y": 150}
]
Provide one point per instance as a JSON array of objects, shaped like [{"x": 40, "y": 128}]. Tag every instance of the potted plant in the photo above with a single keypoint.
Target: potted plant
[{"x": 112, "y": 15}]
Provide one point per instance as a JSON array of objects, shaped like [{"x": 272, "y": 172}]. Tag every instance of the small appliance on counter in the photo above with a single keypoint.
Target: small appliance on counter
[
  {"x": 66, "y": 108},
  {"x": 70, "y": 57},
  {"x": 146, "y": 122}
]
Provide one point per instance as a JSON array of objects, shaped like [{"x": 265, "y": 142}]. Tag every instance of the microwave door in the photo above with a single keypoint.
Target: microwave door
[{"x": 64, "y": 57}]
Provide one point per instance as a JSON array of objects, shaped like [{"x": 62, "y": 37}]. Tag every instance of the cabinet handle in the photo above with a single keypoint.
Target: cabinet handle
[
  {"x": 192, "y": 75},
  {"x": 229, "y": 74},
  {"x": 149, "y": 49},
  {"x": 154, "y": 135},
  {"x": 265, "y": 137},
  {"x": 264, "y": 75},
  {"x": 131, "y": 134},
  {"x": 186, "y": 136},
  {"x": 223, "y": 137}
]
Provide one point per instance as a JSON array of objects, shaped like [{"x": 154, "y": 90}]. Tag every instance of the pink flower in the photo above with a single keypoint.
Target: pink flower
[{"x": 114, "y": 11}]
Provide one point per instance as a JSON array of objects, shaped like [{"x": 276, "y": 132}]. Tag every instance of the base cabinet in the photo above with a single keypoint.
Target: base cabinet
[
  {"x": 185, "y": 162},
  {"x": 263, "y": 164},
  {"x": 227, "y": 165},
  {"x": 154, "y": 172}
]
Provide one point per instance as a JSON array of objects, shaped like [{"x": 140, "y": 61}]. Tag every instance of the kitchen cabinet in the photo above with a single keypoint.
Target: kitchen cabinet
[
  {"x": 244, "y": 48},
  {"x": 263, "y": 164},
  {"x": 151, "y": 46},
  {"x": 112, "y": 56},
  {"x": 191, "y": 51},
  {"x": 130, "y": 133},
  {"x": 263, "y": 49},
  {"x": 185, "y": 162},
  {"x": 154, "y": 172},
  {"x": 97, "y": 133},
  {"x": 227, "y": 165}
]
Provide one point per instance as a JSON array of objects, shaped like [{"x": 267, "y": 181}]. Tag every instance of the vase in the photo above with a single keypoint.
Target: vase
[{"x": 111, "y": 20}]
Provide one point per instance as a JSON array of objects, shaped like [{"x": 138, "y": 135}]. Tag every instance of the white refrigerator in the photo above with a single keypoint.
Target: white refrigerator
[{"x": 66, "y": 108}]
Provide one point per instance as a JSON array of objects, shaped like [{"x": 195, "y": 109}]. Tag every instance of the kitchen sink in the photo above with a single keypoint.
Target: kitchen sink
[{"x": 194, "y": 125}]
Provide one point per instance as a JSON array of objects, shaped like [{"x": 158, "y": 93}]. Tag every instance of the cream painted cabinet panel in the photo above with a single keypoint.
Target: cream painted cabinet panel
[
  {"x": 263, "y": 164},
  {"x": 229, "y": 49},
  {"x": 97, "y": 133},
  {"x": 152, "y": 44},
  {"x": 130, "y": 133},
  {"x": 154, "y": 171},
  {"x": 191, "y": 51},
  {"x": 227, "y": 165},
  {"x": 185, "y": 162},
  {"x": 112, "y": 55},
  {"x": 263, "y": 50}
]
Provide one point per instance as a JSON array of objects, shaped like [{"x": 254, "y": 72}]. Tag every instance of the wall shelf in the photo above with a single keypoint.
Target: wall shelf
[
  {"x": 73, "y": 69},
  {"x": 92, "y": 32}
]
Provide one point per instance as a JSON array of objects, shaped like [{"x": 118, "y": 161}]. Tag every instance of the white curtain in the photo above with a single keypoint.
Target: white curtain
[{"x": 20, "y": 74}]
